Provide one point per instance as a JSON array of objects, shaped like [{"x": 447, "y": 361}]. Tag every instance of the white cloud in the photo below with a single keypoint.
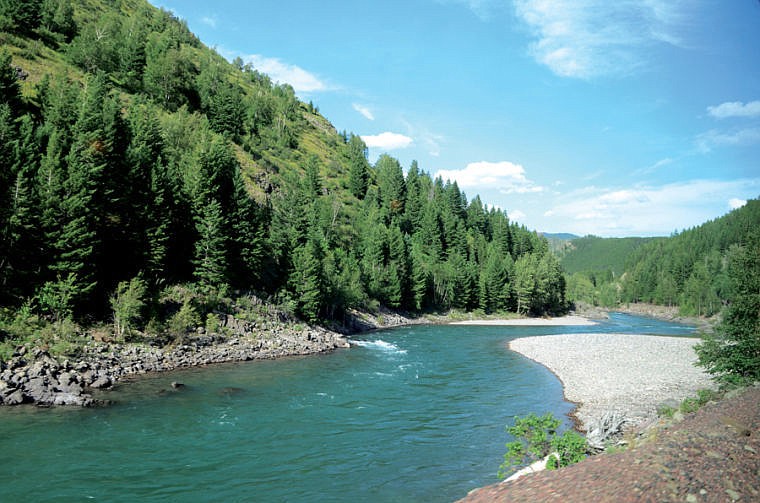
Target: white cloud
[
  {"x": 735, "y": 109},
  {"x": 284, "y": 73},
  {"x": 428, "y": 139},
  {"x": 590, "y": 38},
  {"x": 366, "y": 112},
  {"x": 481, "y": 8},
  {"x": 654, "y": 167},
  {"x": 209, "y": 21},
  {"x": 648, "y": 211},
  {"x": 504, "y": 176},
  {"x": 387, "y": 141},
  {"x": 740, "y": 137},
  {"x": 516, "y": 215},
  {"x": 735, "y": 203}
]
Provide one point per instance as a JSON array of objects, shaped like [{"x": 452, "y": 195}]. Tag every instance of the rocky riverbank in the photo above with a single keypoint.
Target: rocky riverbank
[
  {"x": 32, "y": 375},
  {"x": 628, "y": 375}
]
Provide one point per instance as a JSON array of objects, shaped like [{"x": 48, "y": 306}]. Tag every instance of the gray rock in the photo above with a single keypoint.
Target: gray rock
[
  {"x": 101, "y": 382},
  {"x": 68, "y": 383},
  {"x": 15, "y": 398},
  {"x": 81, "y": 400}
]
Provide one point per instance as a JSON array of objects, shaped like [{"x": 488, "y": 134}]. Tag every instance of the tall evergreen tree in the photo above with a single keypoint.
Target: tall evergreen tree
[
  {"x": 358, "y": 171},
  {"x": 210, "y": 259}
]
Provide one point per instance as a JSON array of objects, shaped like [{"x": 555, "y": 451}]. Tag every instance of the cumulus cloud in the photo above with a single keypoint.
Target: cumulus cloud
[
  {"x": 735, "y": 203},
  {"x": 590, "y": 38},
  {"x": 284, "y": 73},
  {"x": 516, "y": 215},
  {"x": 504, "y": 176},
  {"x": 366, "y": 112},
  {"x": 387, "y": 141},
  {"x": 735, "y": 109}
]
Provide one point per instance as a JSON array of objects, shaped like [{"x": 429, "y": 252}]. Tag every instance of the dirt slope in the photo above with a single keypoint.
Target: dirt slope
[{"x": 712, "y": 455}]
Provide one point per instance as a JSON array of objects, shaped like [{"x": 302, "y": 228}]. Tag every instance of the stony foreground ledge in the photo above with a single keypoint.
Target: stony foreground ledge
[
  {"x": 34, "y": 376},
  {"x": 628, "y": 374}
]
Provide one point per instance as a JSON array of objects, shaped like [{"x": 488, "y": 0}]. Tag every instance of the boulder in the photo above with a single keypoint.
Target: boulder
[
  {"x": 101, "y": 382},
  {"x": 15, "y": 398},
  {"x": 68, "y": 383}
]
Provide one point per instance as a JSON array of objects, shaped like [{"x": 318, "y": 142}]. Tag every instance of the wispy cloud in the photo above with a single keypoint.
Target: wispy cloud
[
  {"x": 387, "y": 141},
  {"x": 209, "y": 21},
  {"x": 591, "y": 38},
  {"x": 516, "y": 215},
  {"x": 483, "y": 9},
  {"x": 650, "y": 210},
  {"x": 430, "y": 140},
  {"x": 654, "y": 167},
  {"x": 285, "y": 73},
  {"x": 706, "y": 142},
  {"x": 735, "y": 109},
  {"x": 504, "y": 176},
  {"x": 366, "y": 112}
]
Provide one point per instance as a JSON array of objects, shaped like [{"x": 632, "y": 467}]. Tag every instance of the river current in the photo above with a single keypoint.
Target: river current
[{"x": 410, "y": 414}]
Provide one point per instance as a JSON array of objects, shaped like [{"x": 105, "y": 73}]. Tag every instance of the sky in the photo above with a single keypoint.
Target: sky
[{"x": 624, "y": 118}]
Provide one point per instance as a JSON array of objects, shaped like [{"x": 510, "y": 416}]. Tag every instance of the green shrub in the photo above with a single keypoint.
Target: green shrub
[
  {"x": 706, "y": 395},
  {"x": 666, "y": 411},
  {"x": 184, "y": 320},
  {"x": 570, "y": 448},
  {"x": 689, "y": 405},
  {"x": 127, "y": 304},
  {"x": 535, "y": 438}
]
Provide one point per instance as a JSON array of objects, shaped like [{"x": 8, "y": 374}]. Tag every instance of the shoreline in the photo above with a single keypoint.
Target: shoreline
[
  {"x": 32, "y": 376},
  {"x": 631, "y": 375}
]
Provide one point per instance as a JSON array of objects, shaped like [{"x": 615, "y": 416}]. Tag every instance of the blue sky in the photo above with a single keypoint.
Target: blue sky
[{"x": 625, "y": 118}]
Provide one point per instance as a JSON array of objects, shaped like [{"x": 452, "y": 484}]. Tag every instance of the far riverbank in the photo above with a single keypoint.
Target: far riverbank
[{"x": 569, "y": 320}]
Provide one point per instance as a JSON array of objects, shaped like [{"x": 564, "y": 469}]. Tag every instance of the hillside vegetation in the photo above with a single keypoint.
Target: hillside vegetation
[
  {"x": 147, "y": 182},
  {"x": 592, "y": 253}
]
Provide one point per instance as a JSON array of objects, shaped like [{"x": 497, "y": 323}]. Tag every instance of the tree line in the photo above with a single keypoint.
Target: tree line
[{"x": 135, "y": 169}]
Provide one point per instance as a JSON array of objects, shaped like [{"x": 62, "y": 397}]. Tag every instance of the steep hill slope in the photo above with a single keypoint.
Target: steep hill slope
[{"x": 148, "y": 181}]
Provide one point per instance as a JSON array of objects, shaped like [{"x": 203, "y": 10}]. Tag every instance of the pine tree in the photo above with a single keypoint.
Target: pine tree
[
  {"x": 306, "y": 280},
  {"x": 358, "y": 175},
  {"x": 392, "y": 187},
  {"x": 210, "y": 259},
  {"x": 247, "y": 247},
  {"x": 419, "y": 277},
  {"x": 732, "y": 353}
]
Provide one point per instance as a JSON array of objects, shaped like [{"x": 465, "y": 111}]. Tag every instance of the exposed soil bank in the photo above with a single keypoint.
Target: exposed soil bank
[{"x": 713, "y": 455}]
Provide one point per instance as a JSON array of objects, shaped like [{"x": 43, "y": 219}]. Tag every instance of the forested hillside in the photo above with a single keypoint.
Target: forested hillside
[
  {"x": 688, "y": 269},
  {"x": 592, "y": 253},
  {"x": 138, "y": 168}
]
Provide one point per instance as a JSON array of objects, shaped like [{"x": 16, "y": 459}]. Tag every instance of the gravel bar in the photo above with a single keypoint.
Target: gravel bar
[{"x": 630, "y": 374}]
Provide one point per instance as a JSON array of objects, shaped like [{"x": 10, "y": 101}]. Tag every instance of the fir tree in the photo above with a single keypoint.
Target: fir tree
[{"x": 210, "y": 249}]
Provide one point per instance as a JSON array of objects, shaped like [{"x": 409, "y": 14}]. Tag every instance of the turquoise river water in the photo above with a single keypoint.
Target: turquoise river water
[{"x": 410, "y": 414}]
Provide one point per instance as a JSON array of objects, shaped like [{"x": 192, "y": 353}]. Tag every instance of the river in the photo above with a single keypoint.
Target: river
[{"x": 410, "y": 414}]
